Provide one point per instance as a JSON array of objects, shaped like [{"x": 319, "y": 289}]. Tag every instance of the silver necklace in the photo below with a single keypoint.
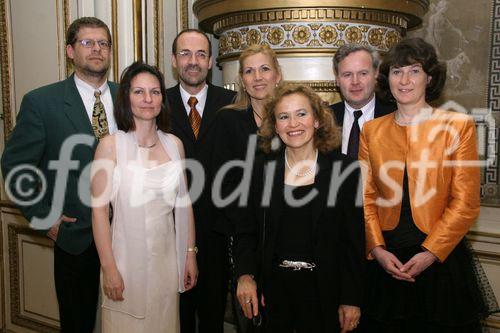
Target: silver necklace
[
  {"x": 309, "y": 170},
  {"x": 148, "y": 147}
]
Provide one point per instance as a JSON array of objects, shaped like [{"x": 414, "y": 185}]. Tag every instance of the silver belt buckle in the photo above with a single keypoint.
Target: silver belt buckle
[{"x": 297, "y": 265}]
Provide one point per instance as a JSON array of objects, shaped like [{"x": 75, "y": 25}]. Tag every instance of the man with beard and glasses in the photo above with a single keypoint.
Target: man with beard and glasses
[
  {"x": 194, "y": 104},
  {"x": 50, "y": 117}
]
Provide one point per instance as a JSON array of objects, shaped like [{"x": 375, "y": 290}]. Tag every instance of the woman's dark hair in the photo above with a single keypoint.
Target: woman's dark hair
[
  {"x": 123, "y": 112},
  {"x": 408, "y": 52}
]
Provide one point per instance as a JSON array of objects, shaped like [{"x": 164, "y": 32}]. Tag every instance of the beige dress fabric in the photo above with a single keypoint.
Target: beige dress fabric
[{"x": 144, "y": 244}]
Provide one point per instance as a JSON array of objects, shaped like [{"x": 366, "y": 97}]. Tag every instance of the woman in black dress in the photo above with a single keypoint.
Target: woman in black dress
[
  {"x": 301, "y": 238},
  {"x": 237, "y": 124},
  {"x": 421, "y": 196},
  {"x": 235, "y": 137}
]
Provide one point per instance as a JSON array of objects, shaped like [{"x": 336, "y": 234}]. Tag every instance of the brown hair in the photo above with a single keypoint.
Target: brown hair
[
  {"x": 242, "y": 100},
  {"x": 174, "y": 43},
  {"x": 326, "y": 137},
  {"x": 123, "y": 112},
  {"x": 83, "y": 22},
  {"x": 413, "y": 51},
  {"x": 346, "y": 49}
]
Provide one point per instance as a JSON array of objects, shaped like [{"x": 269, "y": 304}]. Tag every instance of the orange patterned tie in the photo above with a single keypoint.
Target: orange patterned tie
[
  {"x": 99, "y": 120},
  {"x": 194, "y": 116}
]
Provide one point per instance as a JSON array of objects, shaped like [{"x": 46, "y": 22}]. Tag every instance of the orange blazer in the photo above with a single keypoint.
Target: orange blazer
[{"x": 441, "y": 158}]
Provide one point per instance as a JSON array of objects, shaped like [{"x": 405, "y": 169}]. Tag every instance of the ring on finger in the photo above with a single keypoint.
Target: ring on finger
[{"x": 248, "y": 301}]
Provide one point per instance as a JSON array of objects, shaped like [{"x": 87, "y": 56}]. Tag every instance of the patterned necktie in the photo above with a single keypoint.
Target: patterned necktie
[
  {"x": 99, "y": 120},
  {"x": 353, "y": 145},
  {"x": 194, "y": 116}
]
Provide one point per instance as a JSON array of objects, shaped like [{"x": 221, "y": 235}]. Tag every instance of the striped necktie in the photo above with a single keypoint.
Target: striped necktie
[
  {"x": 99, "y": 120},
  {"x": 194, "y": 116}
]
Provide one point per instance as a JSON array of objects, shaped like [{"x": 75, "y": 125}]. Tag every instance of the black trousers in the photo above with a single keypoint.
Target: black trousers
[
  {"x": 293, "y": 304},
  {"x": 370, "y": 325},
  {"x": 207, "y": 301},
  {"x": 77, "y": 288}
]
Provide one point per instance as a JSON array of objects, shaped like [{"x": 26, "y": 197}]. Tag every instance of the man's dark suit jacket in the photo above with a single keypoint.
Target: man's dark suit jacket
[
  {"x": 338, "y": 232},
  {"x": 381, "y": 109},
  {"x": 48, "y": 116},
  {"x": 208, "y": 298},
  {"x": 200, "y": 149}
]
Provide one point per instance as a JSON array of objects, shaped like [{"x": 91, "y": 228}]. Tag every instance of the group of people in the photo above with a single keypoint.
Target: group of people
[{"x": 386, "y": 178}]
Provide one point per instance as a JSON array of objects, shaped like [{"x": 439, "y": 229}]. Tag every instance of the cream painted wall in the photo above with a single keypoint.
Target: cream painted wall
[{"x": 37, "y": 49}]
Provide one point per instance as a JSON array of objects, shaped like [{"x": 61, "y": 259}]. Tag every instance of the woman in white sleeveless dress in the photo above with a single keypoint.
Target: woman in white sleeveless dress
[{"x": 148, "y": 253}]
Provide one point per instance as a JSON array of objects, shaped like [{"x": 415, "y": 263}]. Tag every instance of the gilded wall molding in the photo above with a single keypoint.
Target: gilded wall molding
[
  {"x": 158, "y": 31},
  {"x": 307, "y": 37},
  {"x": 310, "y": 15},
  {"x": 114, "y": 32},
  {"x": 6, "y": 69},
  {"x": 137, "y": 20},
  {"x": 16, "y": 317},
  {"x": 210, "y": 12},
  {"x": 184, "y": 15},
  {"x": 67, "y": 22},
  {"x": 318, "y": 86}
]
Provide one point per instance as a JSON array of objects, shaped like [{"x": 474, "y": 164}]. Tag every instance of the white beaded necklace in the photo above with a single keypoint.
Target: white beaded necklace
[{"x": 310, "y": 170}]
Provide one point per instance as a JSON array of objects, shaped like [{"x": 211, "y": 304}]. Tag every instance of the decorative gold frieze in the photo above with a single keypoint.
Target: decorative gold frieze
[
  {"x": 301, "y": 34},
  {"x": 353, "y": 35},
  {"x": 276, "y": 35},
  {"x": 254, "y": 36},
  {"x": 328, "y": 34},
  {"x": 219, "y": 15},
  {"x": 327, "y": 90},
  {"x": 376, "y": 36},
  {"x": 306, "y": 37},
  {"x": 309, "y": 15},
  {"x": 318, "y": 86}
]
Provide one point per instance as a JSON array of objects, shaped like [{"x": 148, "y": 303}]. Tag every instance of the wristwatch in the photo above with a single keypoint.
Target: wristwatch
[{"x": 193, "y": 249}]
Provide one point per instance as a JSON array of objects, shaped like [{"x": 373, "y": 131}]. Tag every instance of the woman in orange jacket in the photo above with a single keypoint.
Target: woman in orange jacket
[{"x": 421, "y": 196}]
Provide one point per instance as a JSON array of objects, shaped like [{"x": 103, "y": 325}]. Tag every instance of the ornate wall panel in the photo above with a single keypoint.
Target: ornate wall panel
[
  {"x": 469, "y": 42},
  {"x": 305, "y": 30},
  {"x": 30, "y": 300}
]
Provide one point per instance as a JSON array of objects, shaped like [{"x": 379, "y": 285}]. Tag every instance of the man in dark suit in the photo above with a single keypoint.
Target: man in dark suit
[
  {"x": 194, "y": 104},
  {"x": 356, "y": 70},
  {"x": 57, "y": 130}
]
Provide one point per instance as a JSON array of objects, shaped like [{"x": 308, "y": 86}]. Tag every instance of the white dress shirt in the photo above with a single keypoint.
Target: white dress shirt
[
  {"x": 368, "y": 114},
  {"x": 200, "y": 96},
  {"x": 87, "y": 94}
]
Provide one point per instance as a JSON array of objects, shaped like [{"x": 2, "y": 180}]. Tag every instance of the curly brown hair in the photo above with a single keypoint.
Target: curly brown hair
[{"x": 326, "y": 137}]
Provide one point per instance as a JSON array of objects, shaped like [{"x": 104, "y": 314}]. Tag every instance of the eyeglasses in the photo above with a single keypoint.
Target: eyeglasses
[
  {"x": 89, "y": 43},
  {"x": 200, "y": 55}
]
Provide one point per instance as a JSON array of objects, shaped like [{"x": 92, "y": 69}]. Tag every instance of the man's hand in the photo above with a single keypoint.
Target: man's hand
[{"x": 54, "y": 230}]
